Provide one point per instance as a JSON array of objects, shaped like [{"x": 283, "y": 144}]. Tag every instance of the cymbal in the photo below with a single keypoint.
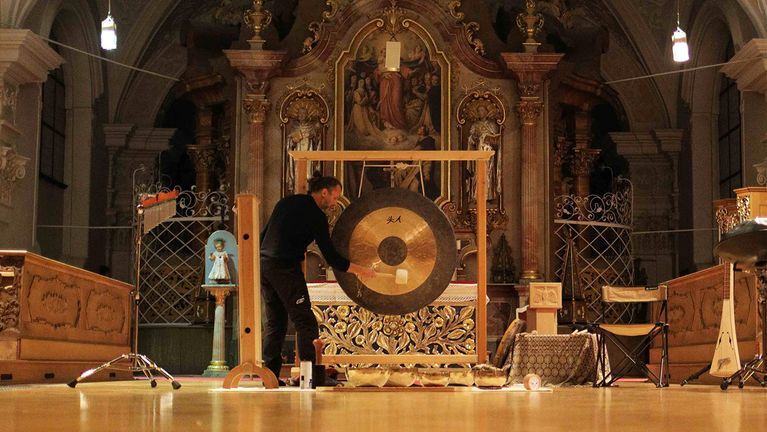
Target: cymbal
[
  {"x": 407, "y": 239},
  {"x": 746, "y": 244}
]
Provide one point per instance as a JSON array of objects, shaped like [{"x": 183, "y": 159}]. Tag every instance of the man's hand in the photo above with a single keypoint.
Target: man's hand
[{"x": 361, "y": 271}]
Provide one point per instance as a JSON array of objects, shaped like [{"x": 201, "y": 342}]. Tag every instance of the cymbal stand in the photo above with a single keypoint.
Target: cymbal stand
[
  {"x": 757, "y": 366},
  {"x": 133, "y": 361}
]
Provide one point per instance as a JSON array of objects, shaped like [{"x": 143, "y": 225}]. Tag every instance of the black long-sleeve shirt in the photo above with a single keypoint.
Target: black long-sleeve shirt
[{"x": 295, "y": 222}]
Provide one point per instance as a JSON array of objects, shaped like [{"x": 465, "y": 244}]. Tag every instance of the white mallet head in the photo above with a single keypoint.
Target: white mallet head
[{"x": 400, "y": 277}]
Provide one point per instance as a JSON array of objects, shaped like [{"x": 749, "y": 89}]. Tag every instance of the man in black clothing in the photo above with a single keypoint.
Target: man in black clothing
[{"x": 296, "y": 221}]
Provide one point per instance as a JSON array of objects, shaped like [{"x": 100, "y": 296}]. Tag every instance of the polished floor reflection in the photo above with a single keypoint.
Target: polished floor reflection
[{"x": 200, "y": 406}]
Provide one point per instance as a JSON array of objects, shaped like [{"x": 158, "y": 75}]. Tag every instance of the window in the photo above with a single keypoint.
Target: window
[
  {"x": 53, "y": 129},
  {"x": 730, "y": 171}
]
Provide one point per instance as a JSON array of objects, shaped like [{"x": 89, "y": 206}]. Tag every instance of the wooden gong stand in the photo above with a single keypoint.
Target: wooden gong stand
[
  {"x": 302, "y": 158},
  {"x": 249, "y": 298}
]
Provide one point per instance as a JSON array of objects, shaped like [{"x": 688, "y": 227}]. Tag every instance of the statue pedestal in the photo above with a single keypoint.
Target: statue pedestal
[{"x": 218, "y": 366}]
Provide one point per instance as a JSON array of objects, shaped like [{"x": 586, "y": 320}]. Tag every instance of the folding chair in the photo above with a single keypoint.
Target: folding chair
[{"x": 634, "y": 356}]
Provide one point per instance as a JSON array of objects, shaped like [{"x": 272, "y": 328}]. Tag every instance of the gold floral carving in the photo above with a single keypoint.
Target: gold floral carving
[
  {"x": 744, "y": 208},
  {"x": 104, "y": 312},
  {"x": 529, "y": 110},
  {"x": 392, "y": 19},
  {"x": 316, "y": 27},
  {"x": 257, "y": 107},
  {"x": 470, "y": 29},
  {"x": 348, "y": 329},
  {"x": 53, "y": 302},
  {"x": 10, "y": 287}
]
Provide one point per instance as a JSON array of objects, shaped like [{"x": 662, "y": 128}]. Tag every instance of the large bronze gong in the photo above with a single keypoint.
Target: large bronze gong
[{"x": 409, "y": 242}]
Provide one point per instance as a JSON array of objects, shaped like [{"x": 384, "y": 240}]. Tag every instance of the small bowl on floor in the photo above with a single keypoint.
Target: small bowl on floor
[
  {"x": 490, "y": 377},
  {"x": 462, "y": 377},
  {"x": 434, "y": 377},
  {"x": 402, "y": 377},
  {"x": 367, "y": 377}
]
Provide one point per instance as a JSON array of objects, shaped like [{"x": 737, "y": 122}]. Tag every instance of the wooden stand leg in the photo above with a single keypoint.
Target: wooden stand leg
[{"x": 251, "y": 362}]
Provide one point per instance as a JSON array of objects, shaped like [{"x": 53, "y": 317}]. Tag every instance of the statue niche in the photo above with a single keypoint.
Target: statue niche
[
  {"x": 481, "y": 116},
  {"x": 304, "y": 115}
]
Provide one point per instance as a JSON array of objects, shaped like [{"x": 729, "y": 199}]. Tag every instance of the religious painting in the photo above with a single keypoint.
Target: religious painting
[
  {"x": 304, "y": 114},
  {"x": 481, "y": 116},
  {"x": 403, "y": 108}
]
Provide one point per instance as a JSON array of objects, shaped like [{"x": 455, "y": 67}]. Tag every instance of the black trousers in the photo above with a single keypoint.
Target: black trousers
[{"x": 285, "y": 295}]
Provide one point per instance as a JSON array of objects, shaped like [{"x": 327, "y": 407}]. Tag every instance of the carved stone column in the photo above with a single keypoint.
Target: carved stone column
[
  {"x": 256, "y": 67},
  {"x": 205, "y": 91},
  {"x": 204, "y": 159},
  {"x": 25, "y": 61},
  {"x": 751, "y": 77},
  {"x": 531, "y": 71}
]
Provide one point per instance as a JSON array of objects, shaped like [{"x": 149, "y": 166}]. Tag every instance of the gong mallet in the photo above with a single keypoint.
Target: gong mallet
[{"x": 400, "y": 276}]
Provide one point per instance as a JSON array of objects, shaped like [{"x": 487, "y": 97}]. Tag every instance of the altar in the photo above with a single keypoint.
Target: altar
[{"x": 445, "y": 330}]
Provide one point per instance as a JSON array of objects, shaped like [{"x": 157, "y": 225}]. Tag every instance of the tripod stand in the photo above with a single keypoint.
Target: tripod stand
[
  {"x": 133, "y": 361},
  {"x": 759, "y": 363}
]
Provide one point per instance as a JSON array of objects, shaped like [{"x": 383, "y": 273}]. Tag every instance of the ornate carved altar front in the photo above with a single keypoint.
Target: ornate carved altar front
[
  {"x": 445, "y": 330},
  {"x": 57, "y": 320}
]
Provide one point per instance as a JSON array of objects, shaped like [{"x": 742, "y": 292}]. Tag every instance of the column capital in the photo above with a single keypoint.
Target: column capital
[
  {"x": 750, "y": 75},
  {"x": 584, "y": 160},
  {"x": 203, "y": 156},
  {"x": 529, "y": 109},
  {"x": 25, "y": 58},
  {"x": 256, "y": 106}
]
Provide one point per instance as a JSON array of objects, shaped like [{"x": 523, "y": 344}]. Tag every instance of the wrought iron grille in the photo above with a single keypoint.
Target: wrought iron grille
[
  {"x": 600, "y": 226},
  {"x": 172, "y": 261}
]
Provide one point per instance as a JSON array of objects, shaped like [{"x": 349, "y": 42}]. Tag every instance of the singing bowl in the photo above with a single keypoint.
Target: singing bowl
[
  {"x": 402, "y": 235},
  {"x": 488, "y": 376},
  {"x": 462, "y": 377},
  {"x": 434, "y": 377},
  {"x": 402, "y": 377},
  {"x": 367, "y": 377}
]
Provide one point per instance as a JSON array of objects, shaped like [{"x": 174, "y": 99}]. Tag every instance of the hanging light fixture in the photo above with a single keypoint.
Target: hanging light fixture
[
  {"x": 679, "y": 49},
  {"x": 109, "y": 31}
]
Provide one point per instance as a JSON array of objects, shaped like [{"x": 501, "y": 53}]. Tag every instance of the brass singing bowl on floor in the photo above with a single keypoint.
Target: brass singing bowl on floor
[
  {"x": 403, "y": 235},
  {"x": 434, "y": 377},
  {"x": 462, "y": 377},
  {"x": 367, "y": 377},
  {"x": 488, "y": 376},
  {"x": 402, "y": 377}
]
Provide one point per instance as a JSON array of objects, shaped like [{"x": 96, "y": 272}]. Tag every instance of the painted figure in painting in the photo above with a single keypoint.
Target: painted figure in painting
[
  {"x": 392, "y": 110},
  {"x": 484, "y": 135},
  {"x": 409, "y": 177},
  {"x": 220, "y": 270}
]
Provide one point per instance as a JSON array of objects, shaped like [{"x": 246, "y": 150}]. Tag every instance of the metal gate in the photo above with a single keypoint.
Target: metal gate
[
  {"x": 600, "y": 228},
  {"x": 172, "y": 258}
]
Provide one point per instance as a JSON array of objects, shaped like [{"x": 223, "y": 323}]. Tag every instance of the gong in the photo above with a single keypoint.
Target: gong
[{"x": 407, "y": 239}]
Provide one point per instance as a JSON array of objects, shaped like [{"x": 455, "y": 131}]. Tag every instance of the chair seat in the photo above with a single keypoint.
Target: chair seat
[{"x": 628, "y": 329}]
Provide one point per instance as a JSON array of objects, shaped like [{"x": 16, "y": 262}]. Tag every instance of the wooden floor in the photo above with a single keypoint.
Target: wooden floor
[{"x": 201, "y": 406}]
